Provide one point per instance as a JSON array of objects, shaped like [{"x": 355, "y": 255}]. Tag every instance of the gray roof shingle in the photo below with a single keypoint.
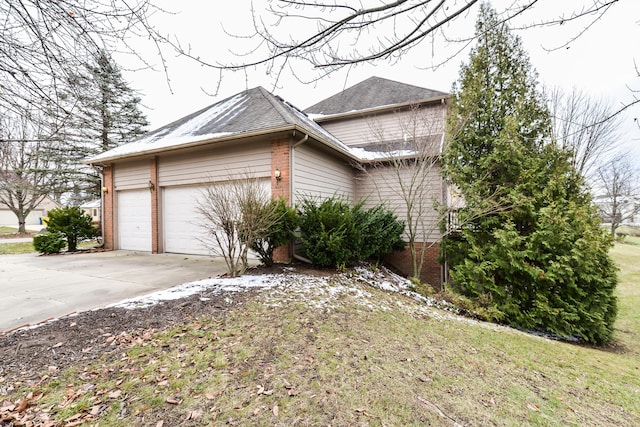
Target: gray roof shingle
[
  {"x": 371, "y": 93},
  {"x": 249, "y": 111}
]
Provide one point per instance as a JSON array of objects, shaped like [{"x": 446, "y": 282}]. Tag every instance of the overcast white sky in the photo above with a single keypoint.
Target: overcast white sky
[{"x": 601, "y": 61}]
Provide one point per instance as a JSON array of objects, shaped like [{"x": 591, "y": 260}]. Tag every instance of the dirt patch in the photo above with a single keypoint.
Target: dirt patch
[{"x": 27, "y": 353}]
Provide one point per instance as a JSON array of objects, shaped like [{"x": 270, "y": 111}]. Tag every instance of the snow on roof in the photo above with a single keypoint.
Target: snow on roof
[
  {"x": 253, "y": 110},
  {"x": 188, "y": 130},
  {"x": 92, "y": 204},
  {"x": 364, "y": 154}
]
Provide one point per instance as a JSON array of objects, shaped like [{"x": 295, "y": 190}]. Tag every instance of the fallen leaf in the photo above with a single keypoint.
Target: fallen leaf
[
  {"x": 57, "y": 345},
  {"x": 160, "y": 423},
  {"x": 22, "y": 405},
  {"x": 533, "y": 407},
  {"x": 275, "y": 410},
  {"x": 115, "y": 394},
  {"x": 195, "y": 415},
  {"x": 171, "y": 400},
  {"x": 209, "y": 396}
]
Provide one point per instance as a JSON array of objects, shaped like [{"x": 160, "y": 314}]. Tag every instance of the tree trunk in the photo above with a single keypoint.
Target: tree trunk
[{"x": 21, "y": 223}]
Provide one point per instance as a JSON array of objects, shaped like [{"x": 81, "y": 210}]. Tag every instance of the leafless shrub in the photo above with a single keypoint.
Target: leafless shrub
[{"x": 234, "y": 215}]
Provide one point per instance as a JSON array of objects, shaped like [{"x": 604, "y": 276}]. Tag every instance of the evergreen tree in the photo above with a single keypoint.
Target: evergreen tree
[
  {"x": 103, "y": 113},
  {"x": 539, "y": 257}
]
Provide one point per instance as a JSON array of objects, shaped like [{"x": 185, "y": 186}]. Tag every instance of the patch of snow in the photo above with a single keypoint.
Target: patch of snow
[
  {"x": 319, "y": 292},
  {"x": 214, "y": 286},
  {"x": 364, "y": 154}
]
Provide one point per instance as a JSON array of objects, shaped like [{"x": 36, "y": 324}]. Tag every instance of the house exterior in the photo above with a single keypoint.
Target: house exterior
[
  {"x": 33, "y": 220},
  {"x": 93, "y": 209},
  {"x": 151, "y": 186}
]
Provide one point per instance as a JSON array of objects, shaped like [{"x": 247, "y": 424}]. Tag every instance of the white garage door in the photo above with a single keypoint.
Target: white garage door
[
  {"x": 134, "y": 220},
  {"x": 180, "y": 227}
]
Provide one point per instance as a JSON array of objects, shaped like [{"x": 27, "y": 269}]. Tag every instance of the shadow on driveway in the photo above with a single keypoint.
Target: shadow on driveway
[{"x": 37, "y": 288}]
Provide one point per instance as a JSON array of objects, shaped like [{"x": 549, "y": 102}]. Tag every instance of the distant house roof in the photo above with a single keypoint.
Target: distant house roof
[
  {"x": 372, "y": 93},
  {"x": 254, "y": 111},
  {"x": 91, "y": 204}
]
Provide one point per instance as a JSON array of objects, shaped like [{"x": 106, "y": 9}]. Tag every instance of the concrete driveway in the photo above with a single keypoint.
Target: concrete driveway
[{"x": 36, "y": 288}]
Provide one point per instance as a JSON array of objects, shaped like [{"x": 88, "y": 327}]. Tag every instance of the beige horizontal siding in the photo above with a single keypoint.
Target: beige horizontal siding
[
  {"x": 214, "y": 164},
  {"x": 132, "y": 175},
  {"x": 318, "y": 174},
  {"x": 384, "y": 185},
  {"x": 390, "y": 126}
]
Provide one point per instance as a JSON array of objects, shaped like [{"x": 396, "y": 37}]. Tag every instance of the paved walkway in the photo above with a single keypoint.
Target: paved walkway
[
  {"x": 35, "y": 288},
  {"x": 16, "y": 240}
]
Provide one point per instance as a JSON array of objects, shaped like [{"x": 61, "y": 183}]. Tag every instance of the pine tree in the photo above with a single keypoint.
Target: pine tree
[
  {"x": 103, "y": 113},
  {"x": 539, "y": 257}
]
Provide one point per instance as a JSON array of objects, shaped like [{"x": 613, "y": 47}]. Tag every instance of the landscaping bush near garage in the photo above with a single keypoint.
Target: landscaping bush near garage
[
  {"x": 334, "y": 234},
  {"x": 49, "y": 242},
  {"x": 65, "y": 227},
  {"x": 285, "y": 221}
]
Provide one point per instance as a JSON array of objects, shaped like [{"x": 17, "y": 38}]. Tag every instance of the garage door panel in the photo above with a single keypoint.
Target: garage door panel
[
  {"x": 134, "y": 220},
  {"x": 181, "y": 222}
]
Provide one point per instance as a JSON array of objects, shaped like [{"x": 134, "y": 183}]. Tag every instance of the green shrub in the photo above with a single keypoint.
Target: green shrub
[
  {"x": 286, "y": 221},
  {"x": 49, "y": 243},
  {"x": 335, "y": 234},
  {"x": 73, "y": 223}
]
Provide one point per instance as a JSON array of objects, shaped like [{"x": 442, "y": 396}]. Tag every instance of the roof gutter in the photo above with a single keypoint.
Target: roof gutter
[{"x": 194, "y": 144}]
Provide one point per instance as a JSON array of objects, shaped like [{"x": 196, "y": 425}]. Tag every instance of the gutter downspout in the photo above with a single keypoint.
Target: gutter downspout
[
  {"x": 295, "y": 145},
  {"x": 102, "y": 208}
]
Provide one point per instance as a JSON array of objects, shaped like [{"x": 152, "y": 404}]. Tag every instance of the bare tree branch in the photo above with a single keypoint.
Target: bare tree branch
[{"x": 43, "y": 41}]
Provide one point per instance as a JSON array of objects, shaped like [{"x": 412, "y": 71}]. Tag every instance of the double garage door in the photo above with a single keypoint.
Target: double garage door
[
  {"x": 180, "y": 223},
  {"x": 179, "y": 228}
]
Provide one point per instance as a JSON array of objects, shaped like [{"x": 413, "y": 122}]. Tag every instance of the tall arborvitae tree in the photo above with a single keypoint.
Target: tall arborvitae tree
[
  {"x": 104, "y": 113},
  {"x": 540, "y": 258}
]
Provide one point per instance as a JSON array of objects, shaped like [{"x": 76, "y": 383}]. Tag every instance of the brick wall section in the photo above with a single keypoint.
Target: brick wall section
[
  {"x": 280, "y": 159},
  {"x": 431, "y": 268},
  {"x": 107, "y": 200},
  {"x": 155, "y": 248}
]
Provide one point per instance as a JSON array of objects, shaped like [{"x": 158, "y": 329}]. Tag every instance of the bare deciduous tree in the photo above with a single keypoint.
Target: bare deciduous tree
[
  {"x": 337, "y": 33},
  {"x": 43, "y": 42},
  {"x": 586, "y": 126},
  {"x": 25, "y": 178},
  {"x": 619, "y": 188},
  {"x": 234, "y": 215},
  {"x": 403, "y": 168}
]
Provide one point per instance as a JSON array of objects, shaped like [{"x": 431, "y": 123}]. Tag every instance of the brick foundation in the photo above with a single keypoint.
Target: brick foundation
[
  {"x": 280, "y": 160},
  {"x": 431, "y": 269},
  {"x": 107, "y": 207}
]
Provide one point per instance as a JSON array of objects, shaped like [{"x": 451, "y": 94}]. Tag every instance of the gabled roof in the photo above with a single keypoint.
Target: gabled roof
[
  {"x": 372, "y": 93},
  {"x": 254, "y": 111}
]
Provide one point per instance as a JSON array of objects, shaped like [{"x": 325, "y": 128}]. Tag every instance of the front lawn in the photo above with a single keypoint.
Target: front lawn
[
  {"x": 27, "y": 247},
  {"x": 325, "y": 349}
]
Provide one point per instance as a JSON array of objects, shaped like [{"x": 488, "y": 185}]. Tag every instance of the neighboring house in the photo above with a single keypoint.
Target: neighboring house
[
  {"x": 8, "y": 218},
  {"x": 92, "y": 209},
  {"x": 152, "y": 185}
]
